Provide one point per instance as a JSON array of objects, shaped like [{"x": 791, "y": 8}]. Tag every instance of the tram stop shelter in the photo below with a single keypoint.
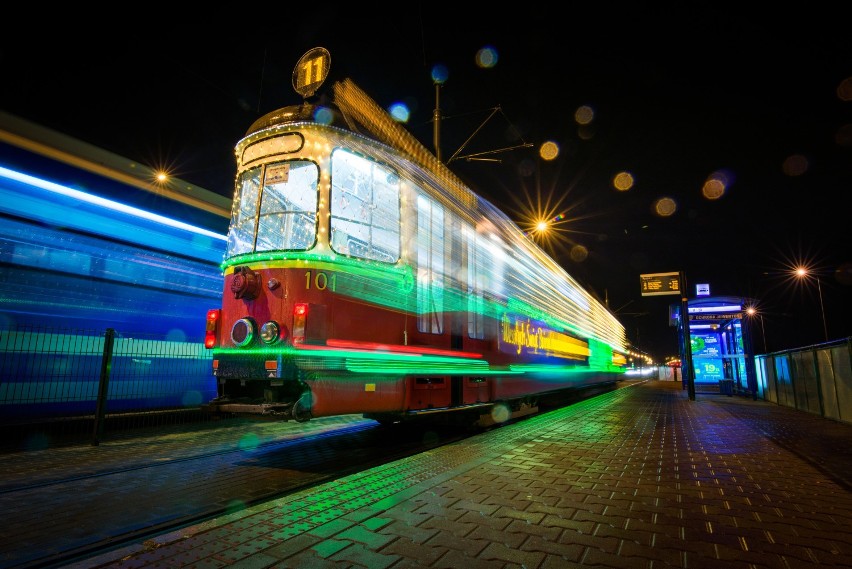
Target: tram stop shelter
[{"x": 720, "y": 344}]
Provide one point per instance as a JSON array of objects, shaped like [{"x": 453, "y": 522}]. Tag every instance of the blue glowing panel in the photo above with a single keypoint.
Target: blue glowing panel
[
  {"x": 706, "y": 357},
  {"x": 71, "y": 259}
]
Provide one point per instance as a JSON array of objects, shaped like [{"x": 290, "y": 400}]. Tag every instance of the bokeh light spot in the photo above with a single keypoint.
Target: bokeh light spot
[
  {"x": 549, "y": 150},
  {"x": 399, "y": 112},
  {"x": 500, "y": 414},
  {"x": 665, "y": 207},
  {"x": 717, "y": 184},
  {"x": 623, "y": 181},
  {"x": 795, "y": 165},
  {"x": 713, "y": 189},
  {"x": 584, "y": 115},
  {"x": 440, "y": 73},
  {"x": 486, "y": 57},
  {"x": 323, "y": 115},
  {"x": 579, "y": 253}
]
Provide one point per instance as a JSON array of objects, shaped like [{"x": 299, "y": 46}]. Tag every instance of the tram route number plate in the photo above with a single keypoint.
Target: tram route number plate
[{"x": 311, "y": 71}]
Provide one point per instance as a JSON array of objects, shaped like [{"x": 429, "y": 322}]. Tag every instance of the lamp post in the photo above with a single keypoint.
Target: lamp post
[
  {"x": 802, "y": 273},
  {"x": 752, "y": 311}
]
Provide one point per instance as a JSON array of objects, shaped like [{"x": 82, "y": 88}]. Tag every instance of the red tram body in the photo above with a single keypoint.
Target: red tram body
[{"x": 362, "y": 276}]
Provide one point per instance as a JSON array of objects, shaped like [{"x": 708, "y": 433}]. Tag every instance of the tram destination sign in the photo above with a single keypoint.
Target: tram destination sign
[{"x": 657, "y": 284}]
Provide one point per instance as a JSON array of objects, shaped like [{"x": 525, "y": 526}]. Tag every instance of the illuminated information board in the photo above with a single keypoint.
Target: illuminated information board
[{"x": 657, "y": 284}]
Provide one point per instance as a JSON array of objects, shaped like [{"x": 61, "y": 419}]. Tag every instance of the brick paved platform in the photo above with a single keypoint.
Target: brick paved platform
[{"x": 640, "y": 477}]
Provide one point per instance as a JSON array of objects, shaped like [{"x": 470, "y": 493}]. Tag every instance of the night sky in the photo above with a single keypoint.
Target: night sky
[{"x": 677, "y": 94}]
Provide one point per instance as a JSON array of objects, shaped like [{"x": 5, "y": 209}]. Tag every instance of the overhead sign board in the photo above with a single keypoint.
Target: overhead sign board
[{"x": 658, "y": 284}]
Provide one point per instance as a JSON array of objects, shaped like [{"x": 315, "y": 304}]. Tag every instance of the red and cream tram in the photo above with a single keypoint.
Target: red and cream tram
[{"x": 362, "y": 276}]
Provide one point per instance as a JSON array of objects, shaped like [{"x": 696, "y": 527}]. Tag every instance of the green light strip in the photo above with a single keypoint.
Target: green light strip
[
  {"x": 359, "y": 366},
  {"x": 314, "y": 261},
  {"x": 557, "y": 369},
  {"x": 391, "y": 363},
  {"x": 389, "y": 285},
  {"x": 323, "y": 354}
]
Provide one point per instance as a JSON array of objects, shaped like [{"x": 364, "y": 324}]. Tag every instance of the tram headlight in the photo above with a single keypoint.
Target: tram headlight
[
  {"x": 270, "y": 332},
  {"x": 243, "y": 331}
]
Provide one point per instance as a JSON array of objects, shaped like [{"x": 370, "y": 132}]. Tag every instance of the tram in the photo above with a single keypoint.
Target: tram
[
  {"x": 362, "y": 276},
  {"x": 89, "y": 247}
]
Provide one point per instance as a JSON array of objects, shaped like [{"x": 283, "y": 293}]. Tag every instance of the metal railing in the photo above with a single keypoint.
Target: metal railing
[
  {"x": 816, "y": 379},
  {"x": 68, "y": 381}
]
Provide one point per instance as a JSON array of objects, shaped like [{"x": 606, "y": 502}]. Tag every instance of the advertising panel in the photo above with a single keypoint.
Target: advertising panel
[{"x": 706, "y": 357}]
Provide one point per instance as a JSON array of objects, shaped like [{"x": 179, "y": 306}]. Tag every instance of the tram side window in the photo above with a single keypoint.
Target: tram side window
[
  {"x": 243, "y": 213},
  {"x": 364, "y": 208},
  {"x": 430, "y": 266},
  {"x": 478, "y": 262},
  {"x": 288, "y": 207}
]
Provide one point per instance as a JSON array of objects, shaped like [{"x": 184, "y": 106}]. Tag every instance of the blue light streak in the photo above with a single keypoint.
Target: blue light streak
[{"x": 103, "y": 202}]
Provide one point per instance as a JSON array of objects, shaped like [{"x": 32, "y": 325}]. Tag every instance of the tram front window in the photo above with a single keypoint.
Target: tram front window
[
  {"x": 287, "y": 213},
  {"x": 288, "y": 207}
]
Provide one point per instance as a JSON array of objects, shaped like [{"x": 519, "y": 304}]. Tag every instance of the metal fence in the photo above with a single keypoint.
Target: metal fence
[
  {"x": 816, "y": 379},
  {"x": 68, "y": 382},
  {"x": 58, "y": 384}
]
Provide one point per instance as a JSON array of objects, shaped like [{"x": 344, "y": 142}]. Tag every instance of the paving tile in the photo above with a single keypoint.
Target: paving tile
[
  {"x": 638, "y": 478},
  {"x": 459, "y": 559},
  {"x": 365, "y": 557},
  {"x": 417, "y": 553},
  {"x": 410, "y": 532},
  {"x": 448, "y": 540}
]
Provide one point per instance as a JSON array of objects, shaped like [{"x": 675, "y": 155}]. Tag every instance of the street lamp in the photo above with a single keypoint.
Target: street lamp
[
  {"x": 752, "y": 311},
  {"x": 802, "y": 272}
]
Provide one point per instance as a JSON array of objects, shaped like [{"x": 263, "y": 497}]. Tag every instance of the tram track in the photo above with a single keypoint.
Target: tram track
[
  {"x": 267, "y": 446},
  {"x": 70, "y": 505},
  {"x": 55, "y": 519}
]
